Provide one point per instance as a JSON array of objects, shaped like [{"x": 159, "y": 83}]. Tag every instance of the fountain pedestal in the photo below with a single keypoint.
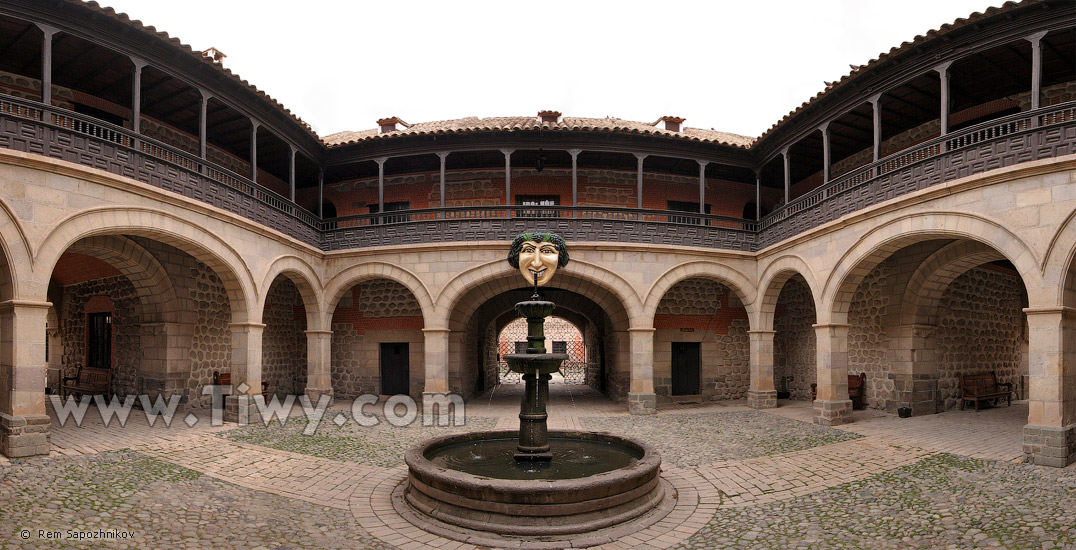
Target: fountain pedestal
[{"x": 537, "y": 367}]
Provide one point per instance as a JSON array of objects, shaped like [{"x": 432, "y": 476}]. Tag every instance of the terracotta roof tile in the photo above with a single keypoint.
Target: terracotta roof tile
[{"x": 531, "y": 123}]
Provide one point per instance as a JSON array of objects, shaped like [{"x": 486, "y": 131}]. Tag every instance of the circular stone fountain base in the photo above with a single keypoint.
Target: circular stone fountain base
[{"x": 461, "y": 505}]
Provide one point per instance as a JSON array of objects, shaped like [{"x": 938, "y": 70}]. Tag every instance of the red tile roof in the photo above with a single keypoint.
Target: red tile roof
[{"x": 531, "y": 123}]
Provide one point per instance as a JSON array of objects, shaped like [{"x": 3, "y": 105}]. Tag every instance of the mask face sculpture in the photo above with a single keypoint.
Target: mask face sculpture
[{"x": 538, "y": 253}]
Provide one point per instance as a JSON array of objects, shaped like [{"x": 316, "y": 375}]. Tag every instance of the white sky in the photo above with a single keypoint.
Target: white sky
[{"x": 736, "y": 66}]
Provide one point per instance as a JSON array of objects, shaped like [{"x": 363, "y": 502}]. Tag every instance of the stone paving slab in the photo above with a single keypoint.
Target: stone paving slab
[{"x": 889, "y": 449}]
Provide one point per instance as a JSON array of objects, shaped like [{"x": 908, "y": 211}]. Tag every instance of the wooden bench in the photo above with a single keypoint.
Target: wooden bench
[
  {"x": 981, "y": 387},
  {"x": 87, "y": 381},
  {"x": 857, "y": 387},
  {"x": 225, "y": 379}
]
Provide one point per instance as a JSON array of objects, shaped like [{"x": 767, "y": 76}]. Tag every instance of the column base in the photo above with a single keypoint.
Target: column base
[
  {"x": 762, "y": 399},
  {"x": 241, "y": 409},
  {"x": 833, "y": 413},
  {"x": 314, "y": 395},
  {"x": 22, "y": 436},
  {"x": 642, "y": 403},
  {"x": 1050, "y": 446}
]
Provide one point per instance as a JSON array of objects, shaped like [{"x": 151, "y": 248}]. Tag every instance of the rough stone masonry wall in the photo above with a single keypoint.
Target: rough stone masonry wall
[
  {"x": 369, "y": 314},
  {"x": 981, "y": 329},
  {"x": 794, "y": 343},
  {"x": 868, "y": 343},
  {"x": 205, "y": 302},
  {"x": 211, "y": 345},
  {"x": 284, "y": 339},
  {"x": 703, "y": 311},
  {"x": 126, "y": 348}
]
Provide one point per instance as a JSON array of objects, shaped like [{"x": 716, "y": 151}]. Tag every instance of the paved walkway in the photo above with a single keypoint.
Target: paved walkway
[{"x": 890, "y": 443}]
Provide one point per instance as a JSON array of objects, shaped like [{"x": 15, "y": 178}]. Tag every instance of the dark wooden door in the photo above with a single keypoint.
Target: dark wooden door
[
  {"x": 395, "y": 369},
  {"x": 99, "y": 341},
  {"x": 685, "y": 368}
]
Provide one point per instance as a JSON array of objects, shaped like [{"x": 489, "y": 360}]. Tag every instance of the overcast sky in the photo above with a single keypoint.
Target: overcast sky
[{"x": 732, "y": 65}]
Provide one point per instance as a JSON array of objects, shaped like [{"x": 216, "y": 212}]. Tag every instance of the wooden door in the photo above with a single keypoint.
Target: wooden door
[
  {"x": 685, "y": 368},
  {"x": 395, "y": 369}
]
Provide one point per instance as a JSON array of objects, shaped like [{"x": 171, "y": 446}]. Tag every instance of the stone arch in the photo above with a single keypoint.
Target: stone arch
[
  {"x": 146, "y": 274},
  {"x": 304, "y": 278},
  {"x": 1059, "y": 267},
  {"x": 928, "y": 283},
  {"x": 15, "y": 255},
  {"x": 737, "y": 282},
  {"x": 773, "y": 280},
  {"x": 882, "y": 241},
  {"x": 192, "y": 239},
  {"x": 343, "y": 281},
  {"x": 488, "y": 280}
]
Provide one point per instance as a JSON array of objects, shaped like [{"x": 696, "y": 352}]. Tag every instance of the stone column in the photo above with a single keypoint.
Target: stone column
[
  {"x": 46, "y": 62},
  {"x": 575, "y": 175},
  {"x": 914, "y": 371},
  {"x": 444, "y": 159},
  {"x": 876, "y": 107},
  {"x": 165, "y": 365},
  {"x": 381, "y": 186},
  {"x": 508, "y": 180},
  {"x": 253, "y": 151},
  {"x": 641, "y": 396},
  {"x": 788, "y": 174},
  {"x": 758, "y": 196},
  {"x": 291, "y": 174},
  {"x": 702, "y": 186},
  {"x": 1050, "y": 433},
  {"x": 639, "y": 181},
  {"x": 943, "y": 76},
  {"x": 832, "y": 405},
  {"x": 24, "y": 423},
  {"x": 136, "y": 94},
  {"x": 436, "y": 360},
  {"x": 246, "y": 369},
  {"x": 825, "y": 153},
  {"x": 202, "y": 110},
  {"x": 1036, "y": 68},
  {"x": 319, "y": 364},
  {"x": 763, "y": 393}
]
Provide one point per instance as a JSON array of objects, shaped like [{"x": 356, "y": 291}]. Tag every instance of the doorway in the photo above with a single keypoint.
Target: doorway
[
  {"x": 99, "y": 341},
  {"x": 685, "y": 368},
  {"x": 395, "y": 369}
]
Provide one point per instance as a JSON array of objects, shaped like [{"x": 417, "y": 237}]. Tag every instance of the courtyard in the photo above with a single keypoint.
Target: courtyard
[{"x": 745, "y": 479}]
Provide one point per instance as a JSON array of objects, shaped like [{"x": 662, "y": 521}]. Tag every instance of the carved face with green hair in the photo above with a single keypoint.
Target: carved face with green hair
[{"x": 538, "y": 254}]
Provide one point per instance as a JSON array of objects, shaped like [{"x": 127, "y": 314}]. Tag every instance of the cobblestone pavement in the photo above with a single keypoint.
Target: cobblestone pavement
[
  {"x": 746, "y": 479},
  {"x": 147, "y": 503}
]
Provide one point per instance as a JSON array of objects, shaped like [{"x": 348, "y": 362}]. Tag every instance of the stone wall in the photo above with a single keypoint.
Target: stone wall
[
  {"x": 981, "y": 328},
  {"x": 211, "y": 345},
  {"x": 372, "y": 313},
  {"x": 284, "y": 339},
  {"x": 126, "y": 348},
  {"x": 794, "y": 344},
  {"x": 703, "y": 311},
  {"x": 868, "y": 341}
]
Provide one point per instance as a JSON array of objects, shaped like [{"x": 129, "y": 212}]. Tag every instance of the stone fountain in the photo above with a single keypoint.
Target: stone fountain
[{"x": 535, "y": 483}]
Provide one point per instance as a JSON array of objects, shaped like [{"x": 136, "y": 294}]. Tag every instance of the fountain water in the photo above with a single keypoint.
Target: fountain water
[{"x": 535, "y": 483}]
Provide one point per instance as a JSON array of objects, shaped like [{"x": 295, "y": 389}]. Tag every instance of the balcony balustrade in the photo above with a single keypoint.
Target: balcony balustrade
[{"x": 33, "y": 127}]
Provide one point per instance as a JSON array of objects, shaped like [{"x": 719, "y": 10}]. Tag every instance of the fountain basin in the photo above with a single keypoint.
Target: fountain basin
[{"x": 533, "y": 507}]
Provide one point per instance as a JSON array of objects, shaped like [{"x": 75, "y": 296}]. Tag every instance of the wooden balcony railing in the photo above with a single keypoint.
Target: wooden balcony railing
[{"x": 41, "y": 129}]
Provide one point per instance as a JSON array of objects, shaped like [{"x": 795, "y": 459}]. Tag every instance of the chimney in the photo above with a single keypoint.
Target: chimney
[
  {"x": 388, "y": 125},
  {"x": 216, "y": 55},
  {"x": 672, "y": 123},
  {"x": 551, "y": 117}
]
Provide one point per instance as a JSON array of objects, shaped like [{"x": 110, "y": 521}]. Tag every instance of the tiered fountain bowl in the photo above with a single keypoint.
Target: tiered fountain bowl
[{"x": 532, "y": 483}]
